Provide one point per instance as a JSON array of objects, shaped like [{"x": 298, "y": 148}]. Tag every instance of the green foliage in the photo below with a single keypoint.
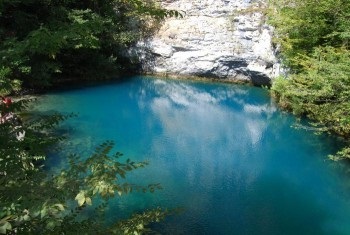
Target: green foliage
[
  {"x": 321, "y": 91},
  {"x": 6, "y": 85},
  {"x": 43, "y": 41},
  {"x": 303, "y": 25},
  {"x": 33, "y": 202},
  {"x": 136, "y": 224},
  {"x": 21, "y": 176},
  {"x": 314, "y": 39}
]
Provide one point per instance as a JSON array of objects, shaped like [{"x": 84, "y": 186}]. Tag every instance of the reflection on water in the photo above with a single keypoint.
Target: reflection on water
[{"x": 224, "y": 153}]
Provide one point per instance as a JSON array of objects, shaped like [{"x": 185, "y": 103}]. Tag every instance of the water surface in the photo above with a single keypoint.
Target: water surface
[{"x": 224, "y": 153}]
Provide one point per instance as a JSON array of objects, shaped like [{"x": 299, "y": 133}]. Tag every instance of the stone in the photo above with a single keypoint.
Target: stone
[{"x": 215, "y": 39}]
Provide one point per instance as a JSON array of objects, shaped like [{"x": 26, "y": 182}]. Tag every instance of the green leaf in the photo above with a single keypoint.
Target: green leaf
[
  {"x": 60, "y": 206},
  {"x": 88, "y": 201},
  {"x": 80, "y": 198},
  {"x": 43, "y": 212},
  {"x": 4, "y": 227}
]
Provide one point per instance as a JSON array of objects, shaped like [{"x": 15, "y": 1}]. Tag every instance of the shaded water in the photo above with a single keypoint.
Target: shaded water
[{"x": 224, "y": 153}]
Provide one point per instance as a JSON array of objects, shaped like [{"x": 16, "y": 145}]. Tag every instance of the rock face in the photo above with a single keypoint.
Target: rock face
[{"x": 224, "y": 39}]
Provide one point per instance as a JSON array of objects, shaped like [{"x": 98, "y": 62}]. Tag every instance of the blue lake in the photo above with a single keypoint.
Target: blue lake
[{"x": 224, "y": 153}]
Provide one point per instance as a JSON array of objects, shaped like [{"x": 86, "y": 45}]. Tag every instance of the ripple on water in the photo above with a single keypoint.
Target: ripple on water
[{"x": 224, "y": 153}]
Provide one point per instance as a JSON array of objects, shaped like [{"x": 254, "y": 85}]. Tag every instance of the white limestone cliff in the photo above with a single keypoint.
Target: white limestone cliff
[{"x": 224, "y": 39}]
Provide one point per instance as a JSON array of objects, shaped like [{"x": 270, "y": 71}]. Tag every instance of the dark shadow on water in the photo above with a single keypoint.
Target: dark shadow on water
[{"x": 77, "y": 85}]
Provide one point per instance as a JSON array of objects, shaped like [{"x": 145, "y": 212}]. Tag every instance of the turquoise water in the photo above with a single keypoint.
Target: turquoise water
[{"x": 224, "y": 153}]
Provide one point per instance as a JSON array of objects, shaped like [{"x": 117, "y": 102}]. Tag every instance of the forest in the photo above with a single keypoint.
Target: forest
[
  {"x": 47, "y": 42},
  {"x": 313, "y": 37}
]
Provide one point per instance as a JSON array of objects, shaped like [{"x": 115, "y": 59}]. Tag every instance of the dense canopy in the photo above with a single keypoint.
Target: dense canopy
[
  {"x": 314, "y": 38},
  {"x": 43, "y": 41}
]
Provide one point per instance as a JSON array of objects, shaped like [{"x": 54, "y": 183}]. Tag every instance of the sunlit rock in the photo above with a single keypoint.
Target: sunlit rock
[{"x": 218, "y": 39}]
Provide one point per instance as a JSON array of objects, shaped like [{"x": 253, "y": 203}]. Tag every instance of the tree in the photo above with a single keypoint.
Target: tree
[
  {"x": 314, "y": 38},
  {"x": 303, "y": 25},
  {"x": 47, "y": 40}
]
